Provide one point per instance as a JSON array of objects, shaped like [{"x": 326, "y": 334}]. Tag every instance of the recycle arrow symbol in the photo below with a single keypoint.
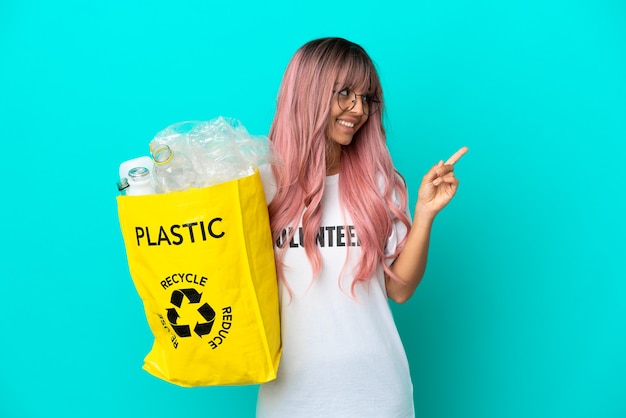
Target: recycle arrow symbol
[
  {"x": 172, "y": 315},
  {"x": 180, "y": 330},
  {"x": 209, "y": 315},
  {"x": 192, "y": 295}
]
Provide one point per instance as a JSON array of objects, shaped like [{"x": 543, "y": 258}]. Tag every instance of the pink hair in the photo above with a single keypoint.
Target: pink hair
[{"x": 368, "y": 179}]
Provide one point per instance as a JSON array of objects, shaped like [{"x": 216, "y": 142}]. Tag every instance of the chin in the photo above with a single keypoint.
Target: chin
[{"x": 342, "y": 140}]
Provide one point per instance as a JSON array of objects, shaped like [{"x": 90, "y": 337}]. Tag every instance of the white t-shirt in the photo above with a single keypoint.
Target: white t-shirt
[{"x": 342, "y": 355}]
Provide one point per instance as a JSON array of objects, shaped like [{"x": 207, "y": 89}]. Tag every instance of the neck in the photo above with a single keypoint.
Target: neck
[
  {"x": 333, "y": 158},
  {"x": 330, "y": 171}
]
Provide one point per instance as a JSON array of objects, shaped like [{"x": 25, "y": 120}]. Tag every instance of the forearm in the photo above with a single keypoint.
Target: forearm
[
  {"x": 410, "y": 265},
  {"x": 438, "y": 187}
]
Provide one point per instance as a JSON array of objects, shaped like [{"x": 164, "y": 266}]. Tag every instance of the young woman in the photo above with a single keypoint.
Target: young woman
[{"x": 344, "y": 240}]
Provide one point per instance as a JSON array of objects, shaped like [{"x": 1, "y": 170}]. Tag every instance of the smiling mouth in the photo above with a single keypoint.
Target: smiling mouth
[{"x": 345, "y": 123}]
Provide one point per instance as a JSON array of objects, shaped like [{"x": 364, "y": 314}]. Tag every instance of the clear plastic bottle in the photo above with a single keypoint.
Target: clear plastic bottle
[{"x": 173, "y": 171}]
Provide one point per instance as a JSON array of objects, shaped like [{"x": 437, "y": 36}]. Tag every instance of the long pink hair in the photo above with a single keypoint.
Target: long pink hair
[{"x": 368, "y": 181}]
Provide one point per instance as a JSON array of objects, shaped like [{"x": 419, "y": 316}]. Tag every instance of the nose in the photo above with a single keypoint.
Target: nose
[{"x": 358, "y": 106}]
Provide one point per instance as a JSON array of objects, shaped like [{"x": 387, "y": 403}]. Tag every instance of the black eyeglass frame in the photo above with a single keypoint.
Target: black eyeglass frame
[{"x": 372, "y": 102}]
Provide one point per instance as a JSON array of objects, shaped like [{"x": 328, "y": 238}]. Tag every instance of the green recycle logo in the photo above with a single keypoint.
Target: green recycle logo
[{"x": 205, "y": 310}]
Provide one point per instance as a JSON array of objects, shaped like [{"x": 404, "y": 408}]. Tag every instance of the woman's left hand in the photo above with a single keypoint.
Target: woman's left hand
[{"x": 438, "y": 186}]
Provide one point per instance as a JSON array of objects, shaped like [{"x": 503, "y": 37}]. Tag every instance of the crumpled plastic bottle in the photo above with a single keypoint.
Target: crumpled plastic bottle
[
  {"x": 216, "y": 155},
  {"x": 206, "y": 153},
  {"x": 172, "y": 170}
]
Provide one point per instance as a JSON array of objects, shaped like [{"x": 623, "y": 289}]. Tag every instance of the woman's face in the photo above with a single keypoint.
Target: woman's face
[{"x": 343, "y": 124}]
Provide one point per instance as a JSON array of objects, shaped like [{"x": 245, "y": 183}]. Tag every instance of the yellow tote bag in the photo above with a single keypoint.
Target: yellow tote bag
[{"x": 202, "y": 261}]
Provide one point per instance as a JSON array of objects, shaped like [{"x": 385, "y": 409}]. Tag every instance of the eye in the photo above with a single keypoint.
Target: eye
[
  {"x": 344, "y": 92},
  {"x": 367, "y": 99}
]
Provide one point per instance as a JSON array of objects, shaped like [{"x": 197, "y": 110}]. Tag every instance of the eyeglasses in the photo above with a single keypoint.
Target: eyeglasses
[{"x": 346, "y": 99}]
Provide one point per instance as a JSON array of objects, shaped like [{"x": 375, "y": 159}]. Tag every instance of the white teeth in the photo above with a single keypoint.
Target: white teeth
[{"x": 345, "y": 123}]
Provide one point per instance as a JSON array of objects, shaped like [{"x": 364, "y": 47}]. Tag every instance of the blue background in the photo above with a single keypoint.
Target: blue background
[{"x": 522, "y": 312}]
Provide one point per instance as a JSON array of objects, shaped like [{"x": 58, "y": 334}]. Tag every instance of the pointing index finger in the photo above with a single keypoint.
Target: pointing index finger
[{"x": 456, "y": 156}]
